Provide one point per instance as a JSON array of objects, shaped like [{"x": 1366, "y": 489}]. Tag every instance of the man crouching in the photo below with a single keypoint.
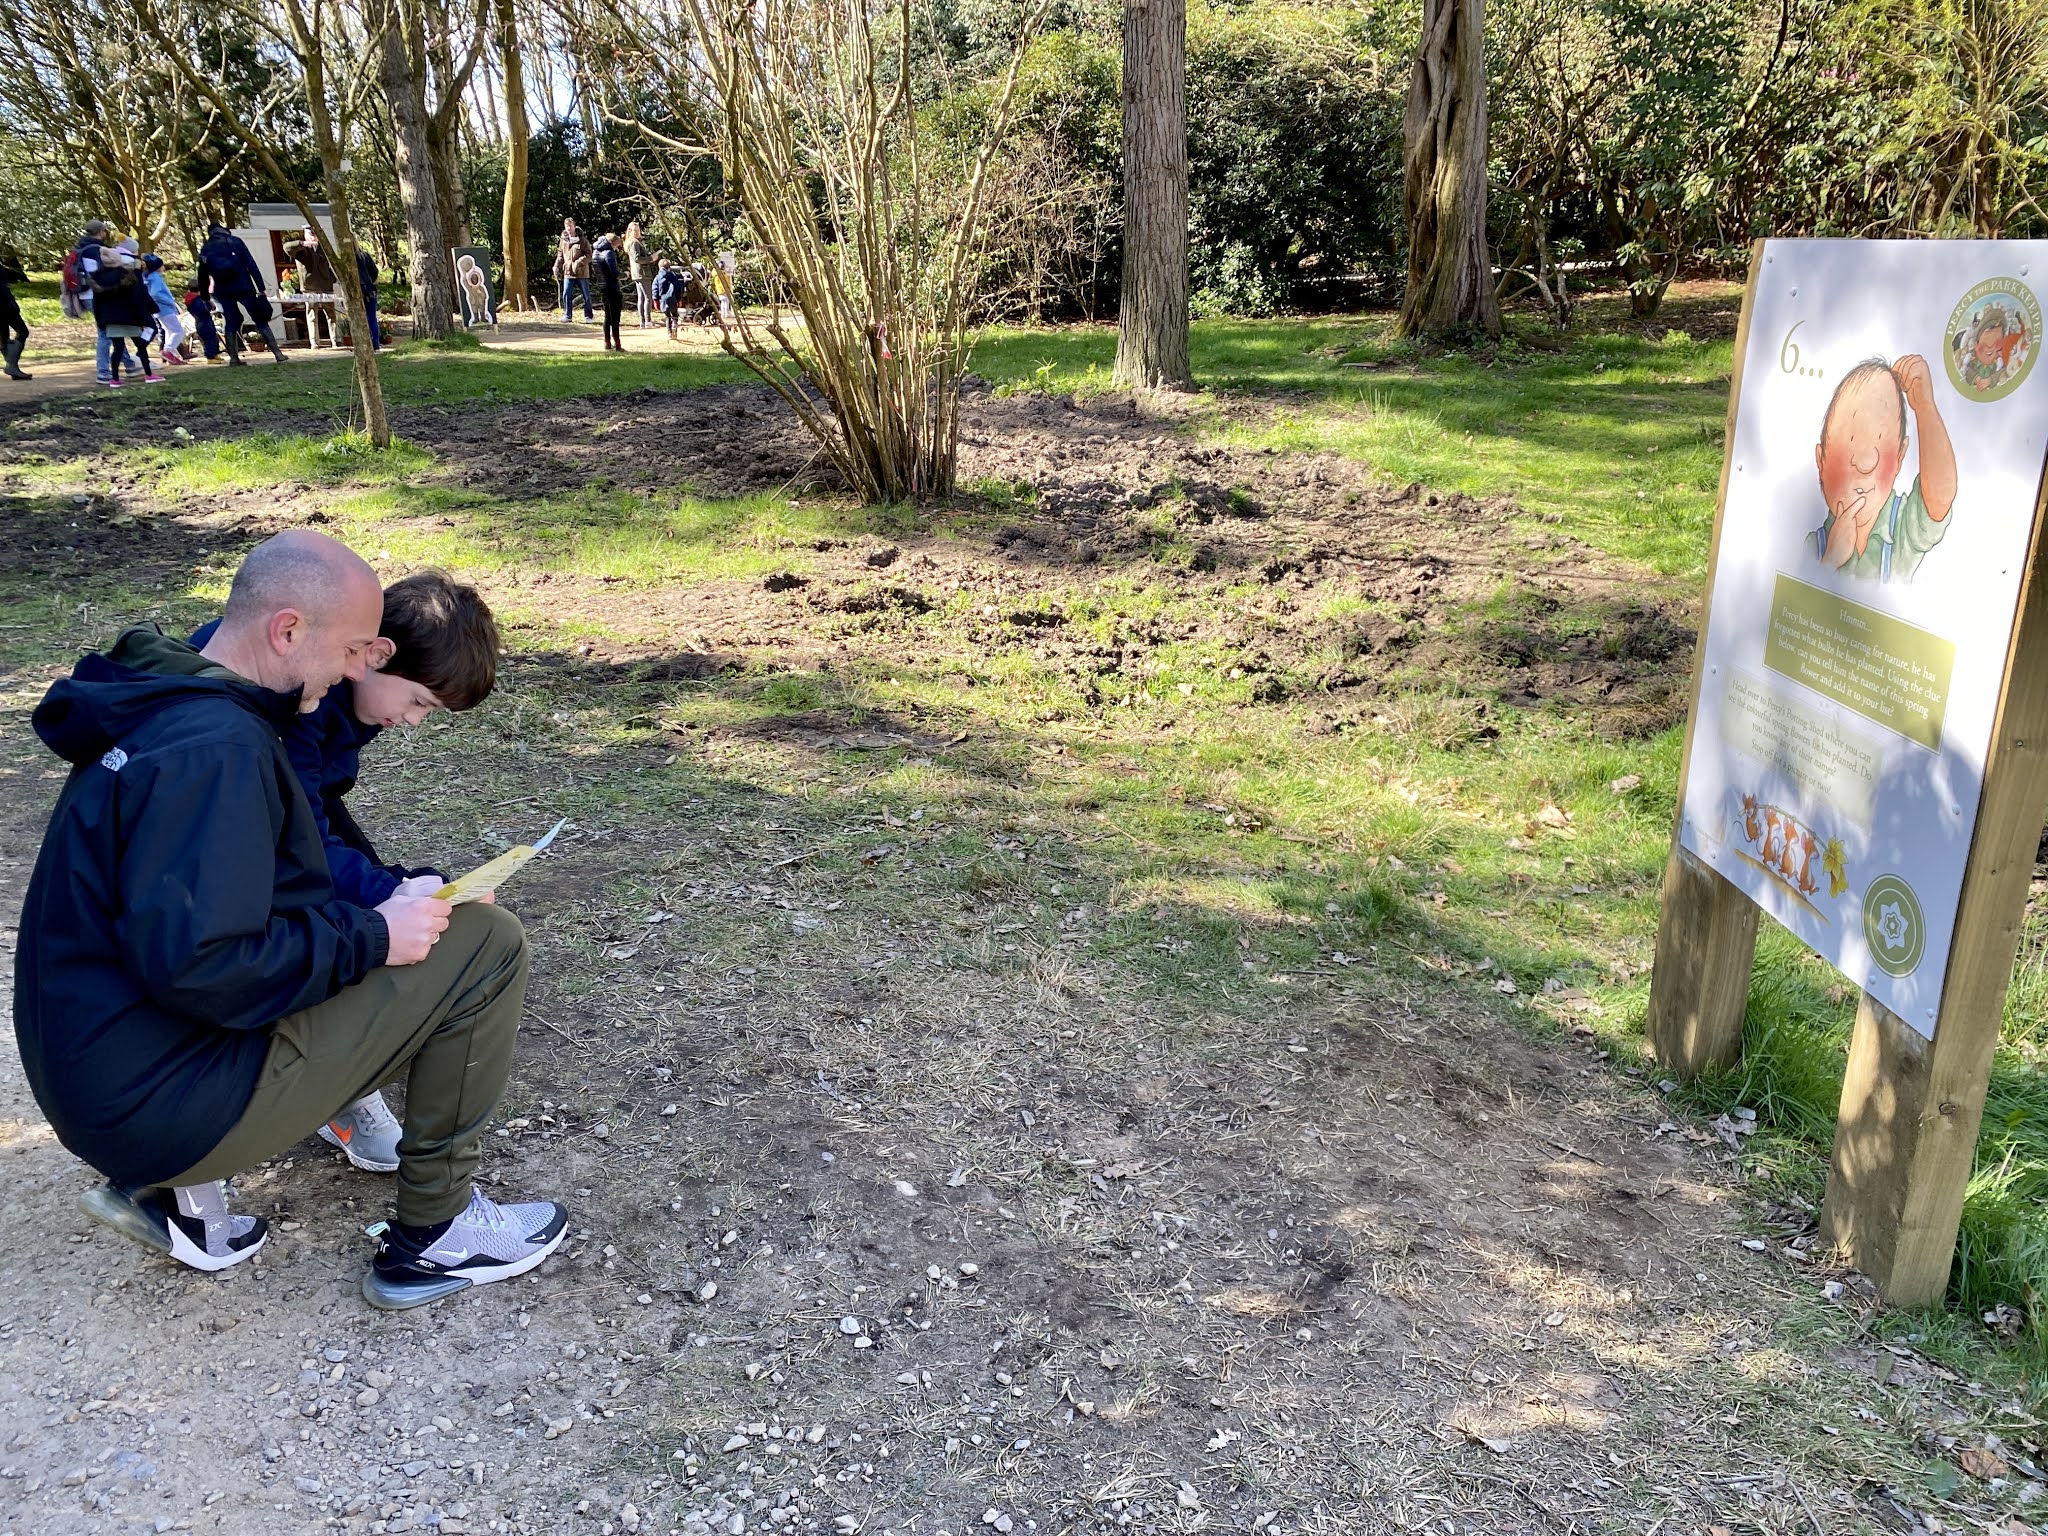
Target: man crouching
[{"x": 191, "y": 997}]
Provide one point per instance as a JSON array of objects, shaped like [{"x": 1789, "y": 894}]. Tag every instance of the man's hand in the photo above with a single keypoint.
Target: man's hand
[
  {"x": 1916, "y": 380},
  {"x": 426, "y": 885},
  {"x": 414, "y": 924}
]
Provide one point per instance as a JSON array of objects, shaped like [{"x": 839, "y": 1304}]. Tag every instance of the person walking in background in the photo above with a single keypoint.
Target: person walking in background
[
  {"x": 316, "y": 278},
  {"x": 81, "y": 267},
  {"x": 229, "y": 274},
  {"x": 170, "y": 321},
  {"x": 604, "y": 267},
  {"x": 13, "y": 332},
  {"x": 121, "y": 303},
  {"x": 668, "y": 293},
  {"x": 366, "y": 274},
  {"x": 572, "y": 268},
  {"x": 640, "y": 267}
]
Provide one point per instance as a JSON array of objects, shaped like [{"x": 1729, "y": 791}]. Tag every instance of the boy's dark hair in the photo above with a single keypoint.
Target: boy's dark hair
[{"x": 445, "y": 636}]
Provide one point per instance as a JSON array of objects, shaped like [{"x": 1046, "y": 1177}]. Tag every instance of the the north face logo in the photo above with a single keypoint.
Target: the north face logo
[{"x": 115, "y": 760}]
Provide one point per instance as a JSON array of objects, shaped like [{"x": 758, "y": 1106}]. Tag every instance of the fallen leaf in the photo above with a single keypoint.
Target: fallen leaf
[
  {"x": 1625, "y": 783},
  {"x": 1982, "y": 1464}
]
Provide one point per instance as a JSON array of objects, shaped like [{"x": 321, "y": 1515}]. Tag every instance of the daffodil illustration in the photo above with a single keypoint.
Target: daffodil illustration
[{"x": 1836, "y": 862}]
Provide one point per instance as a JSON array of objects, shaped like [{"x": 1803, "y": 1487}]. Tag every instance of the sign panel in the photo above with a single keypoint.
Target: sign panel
[
  {"x": 1887, "y": 456},
  {"x": 473, "y": 287}
]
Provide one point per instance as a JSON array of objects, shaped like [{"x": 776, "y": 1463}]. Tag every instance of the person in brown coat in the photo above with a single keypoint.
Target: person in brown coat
[
  {"x": 572, "y": 269},
  {"x": 316, "y": 276}
]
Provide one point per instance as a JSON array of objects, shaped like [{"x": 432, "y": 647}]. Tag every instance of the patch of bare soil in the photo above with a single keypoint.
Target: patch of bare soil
[{"x": 1304, "y": 573}]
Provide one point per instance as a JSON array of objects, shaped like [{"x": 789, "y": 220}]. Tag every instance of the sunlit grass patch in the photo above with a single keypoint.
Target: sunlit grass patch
[{"x": 213, "y": 465}]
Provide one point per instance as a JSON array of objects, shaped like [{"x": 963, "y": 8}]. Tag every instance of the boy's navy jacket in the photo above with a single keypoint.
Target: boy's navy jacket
[
  {"x": 180, "y": 904},
  {"x": 326, "y": 749}
]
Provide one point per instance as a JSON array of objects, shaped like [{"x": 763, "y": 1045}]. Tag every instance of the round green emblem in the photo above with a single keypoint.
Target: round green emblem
[
  {"x": 1994, "y": 333},
  {"x": 1893, "y": 926}
]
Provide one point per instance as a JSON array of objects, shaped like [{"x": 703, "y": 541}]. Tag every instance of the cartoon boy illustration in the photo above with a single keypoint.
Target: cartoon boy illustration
[
  {"x": 1871, "y": 530},
  {"x": 1993, "y": 339}
]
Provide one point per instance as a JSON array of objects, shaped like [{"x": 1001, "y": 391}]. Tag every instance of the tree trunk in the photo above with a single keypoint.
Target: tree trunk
[
  {"x": 1152, "y": 333},
  {"x": 1450, "y": 289},
  {"x": 512, "y": 222},
  {"x": 433, "y": 289},
  {"x": 325, "y": 142}
]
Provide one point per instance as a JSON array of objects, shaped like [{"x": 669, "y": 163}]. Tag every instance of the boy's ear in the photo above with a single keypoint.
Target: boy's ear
[{"x": 380, "y": 652}]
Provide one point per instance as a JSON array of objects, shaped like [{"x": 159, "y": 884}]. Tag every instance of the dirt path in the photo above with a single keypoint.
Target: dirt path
[
  {"x": 903, "y": 1201},
  {"x": 61, "y": 360}
]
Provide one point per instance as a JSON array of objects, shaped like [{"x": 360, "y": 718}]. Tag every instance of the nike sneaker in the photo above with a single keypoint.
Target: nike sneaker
[
  {"x": 488, "y": 1241},
  {"x": 191, "y": 1223},
  {"x": 367, "y": 1133}
]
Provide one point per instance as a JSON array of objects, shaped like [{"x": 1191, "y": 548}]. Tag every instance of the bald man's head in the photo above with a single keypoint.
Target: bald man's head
[{"x": 302, "y": 613}]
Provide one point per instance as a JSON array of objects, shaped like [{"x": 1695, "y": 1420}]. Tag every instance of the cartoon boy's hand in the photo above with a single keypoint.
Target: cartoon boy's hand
[{"x": 1916, "y": 379}]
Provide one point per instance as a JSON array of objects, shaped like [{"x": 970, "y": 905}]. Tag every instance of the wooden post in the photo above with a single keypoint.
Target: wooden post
[
  {"x": 1706, "y": 929},
  {"x": 1907, "y": 1136},
  {"x": 1706, "y": 945}
]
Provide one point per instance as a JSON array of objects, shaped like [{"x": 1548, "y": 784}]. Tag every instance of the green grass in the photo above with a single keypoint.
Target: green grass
[{"x": 1615, "y": 437}]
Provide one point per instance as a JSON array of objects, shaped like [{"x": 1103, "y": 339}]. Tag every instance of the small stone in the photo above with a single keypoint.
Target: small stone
[
  {"x": 601, "y": 1131},
  {"x": 558, "y": 1427},
  {"x": 444, "y": 1424},
  {"x": 367, "y": 1398},
  {"x": 306, "y": 1484},
  {"x": 970, "y": 1270},
  {"x": 814, "y": 1434},
  {"x": 735, "y": 1525},
  {"x": 334, "y": 1356},
  {"x": 736, "y": 1443},
  {"x": 850, "y": 1326},
  {"x": 906, "y": 1379},
  {"x": 668, "y": 1109},
  {"x": 1186, "y": 1497},
  {"x": 846, "y": 1525},
  {"x": 708, "y": 1291},
  {"x": 644, "y": 1299}
]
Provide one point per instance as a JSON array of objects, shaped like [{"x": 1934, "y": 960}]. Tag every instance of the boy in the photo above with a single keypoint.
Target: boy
[
  {"x": 1871, "y": 530},
  {"x": 437, "y": 648},
  {"x": 668, "y": 294}
]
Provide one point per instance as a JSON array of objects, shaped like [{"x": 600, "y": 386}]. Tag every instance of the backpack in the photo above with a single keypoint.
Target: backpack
[{"x": 70, "y": 297}]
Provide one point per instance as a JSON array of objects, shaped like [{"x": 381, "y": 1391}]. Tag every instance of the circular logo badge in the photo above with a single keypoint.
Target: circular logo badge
[
  {"x": 1893, "y": 926},
  {"x": 1994, "y": 334}
]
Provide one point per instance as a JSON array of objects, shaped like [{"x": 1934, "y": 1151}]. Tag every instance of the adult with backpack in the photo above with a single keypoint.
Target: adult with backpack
[
  {"x": 74, "y": 294},
  {"x": 13, "y": 332},
  {"x": 229, "y": 274},
  {"x": 124, "y": 310},
  {"x": 604, "y": 271},
  {"x": 81, "y": 267}
]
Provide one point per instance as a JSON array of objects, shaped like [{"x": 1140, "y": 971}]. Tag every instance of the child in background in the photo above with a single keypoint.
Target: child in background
[
  {"x": 436, "y": 649},
  {"x": 668, "y": 294},
  {"x": 200, "y": 308},
  {"x": 169, "y": 322}
]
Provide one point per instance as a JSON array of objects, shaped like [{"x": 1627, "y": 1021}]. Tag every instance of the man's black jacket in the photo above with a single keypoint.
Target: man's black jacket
[{"x": 180, "y": 904}]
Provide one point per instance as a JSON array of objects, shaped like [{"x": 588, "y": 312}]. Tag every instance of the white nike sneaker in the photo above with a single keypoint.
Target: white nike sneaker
[
  {"x": 367, "y": 1133},
  {"x": 487, "y": 1242},
  {"x": 191, "y": 1223}
]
